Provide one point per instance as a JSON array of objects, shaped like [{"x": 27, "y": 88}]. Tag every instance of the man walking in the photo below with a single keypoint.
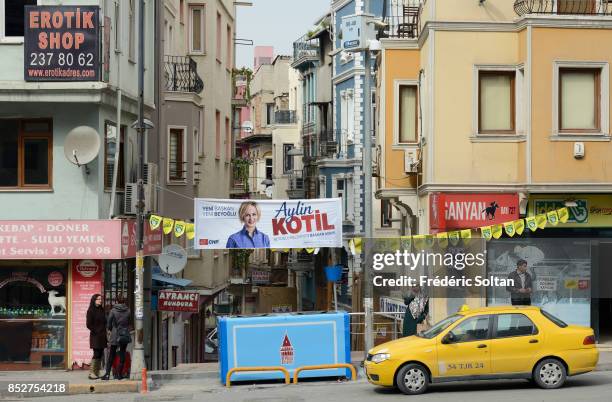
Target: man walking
[{"x": 520, "y": 291}]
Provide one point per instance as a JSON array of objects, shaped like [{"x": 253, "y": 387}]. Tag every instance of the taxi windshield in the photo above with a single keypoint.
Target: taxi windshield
[{"x": 439, "y": 327}]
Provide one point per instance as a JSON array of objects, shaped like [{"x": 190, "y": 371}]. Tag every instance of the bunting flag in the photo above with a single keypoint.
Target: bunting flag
[
  {"x": 563, "y": 214},
  {"x": 358, "y": 245},
  {"x": 553, "y": 217},
  {"x": 316, "y": 250},
  {"x": 519, "y": 226},
  {"x": 442, "y": 239},
  {"x": 486, "y": 232},
  {"x": 497, "y": 231},
  {"x": 190, "y": 231},
  {"x": 179, "y": 228},
  {"x": 286, "y": 250},
  {"x": 466, "y": 234},
  {"x": 155, "y": 221},
  {"x": 430, "y": 240},
  {"x": 531, "y": 223},
  {"x": 454, "y": 237},
  {"x": 406, "y": 242},
  {"x": 351, "y": 246},
  {"x": 509, "y": 228},
  {"x": 419, "y": 241},
  {"x": 310, "y": 250},
  {"x": 541, "y": 221},
  {"x": 167, "y": 224}
]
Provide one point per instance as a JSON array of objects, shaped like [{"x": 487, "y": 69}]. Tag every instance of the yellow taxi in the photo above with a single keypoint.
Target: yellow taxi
[{"x": 485, "y": 343}]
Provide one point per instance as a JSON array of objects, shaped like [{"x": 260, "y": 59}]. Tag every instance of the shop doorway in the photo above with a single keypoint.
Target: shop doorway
[{"x": 602, "y": 303}]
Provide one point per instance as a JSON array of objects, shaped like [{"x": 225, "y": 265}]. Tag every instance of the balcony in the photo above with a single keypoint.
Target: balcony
[
  {"x": 285, "y": 117},
  {"x": 402, "y": 19},
  {"x": 296, "y": 185},
  {"x": 240, "y": 174},
  {"x": 181, "y": 73},
  {"x": 563, "y": 7},
  {"x": 305, "y": 49}
]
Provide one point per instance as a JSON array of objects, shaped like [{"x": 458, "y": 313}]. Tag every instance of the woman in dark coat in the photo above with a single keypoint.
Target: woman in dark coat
[
  {"x": 96, "y": 323},
  {"x": 417, "y": 308},
  {"x": 118, "y": 323}
]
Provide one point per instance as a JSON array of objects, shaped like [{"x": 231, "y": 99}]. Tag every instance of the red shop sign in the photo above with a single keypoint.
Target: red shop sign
[
  {"x": 449, "y": 211},
  {"x": 172, "y": 300}
]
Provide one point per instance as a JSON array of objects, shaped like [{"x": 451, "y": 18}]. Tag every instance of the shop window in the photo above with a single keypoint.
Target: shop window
[
  {"x": 118, "y": 283},
  {"x": 496, "y": 102},
  {"x": 25, "y": 153},
  {"x": 110, "y": 144},
  {"x": 13, "y": 14}
]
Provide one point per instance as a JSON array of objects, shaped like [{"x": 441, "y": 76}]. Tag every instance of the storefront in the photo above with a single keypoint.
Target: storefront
[{"x": 48, "y": 272}]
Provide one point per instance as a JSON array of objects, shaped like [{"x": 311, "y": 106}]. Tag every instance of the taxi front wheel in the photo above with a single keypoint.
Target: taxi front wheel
[
  {"x": 550, "y": 374},
  {"x": 412, "y": 379}
]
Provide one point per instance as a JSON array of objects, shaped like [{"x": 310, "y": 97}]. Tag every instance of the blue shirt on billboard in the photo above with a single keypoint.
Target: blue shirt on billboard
[{"x": 243, "y": 240}]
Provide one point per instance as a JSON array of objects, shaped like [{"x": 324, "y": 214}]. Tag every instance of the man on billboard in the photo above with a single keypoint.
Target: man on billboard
[
  {"x": 520, "y": 292},
  {"x": 249, "y": 214}
]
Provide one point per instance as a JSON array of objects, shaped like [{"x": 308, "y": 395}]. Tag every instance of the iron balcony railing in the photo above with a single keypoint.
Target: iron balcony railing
[
  {"x": 305, "y": 48},
  {"x": 563, "y": 7},
  {"x": 181, "y": 73},
  {"x": 285, "y": 117},
  {"x": 402, "y": 19},
  {"x": 296, "y": 188}
]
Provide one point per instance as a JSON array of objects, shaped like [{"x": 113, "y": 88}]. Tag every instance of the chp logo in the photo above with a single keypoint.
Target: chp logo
[
  {"x": 208, "y": 242},
  {"x": 87, "y": 268}
]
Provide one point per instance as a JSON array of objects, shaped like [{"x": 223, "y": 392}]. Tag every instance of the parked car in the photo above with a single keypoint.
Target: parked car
[{"x": 486, "y": 343}]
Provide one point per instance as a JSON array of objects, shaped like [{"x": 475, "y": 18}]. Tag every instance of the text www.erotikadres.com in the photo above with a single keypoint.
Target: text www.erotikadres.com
[{"x": 60, "y": 72}]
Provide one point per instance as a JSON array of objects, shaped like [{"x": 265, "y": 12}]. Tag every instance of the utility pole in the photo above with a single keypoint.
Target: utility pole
[{"x": 138, "y": 361}]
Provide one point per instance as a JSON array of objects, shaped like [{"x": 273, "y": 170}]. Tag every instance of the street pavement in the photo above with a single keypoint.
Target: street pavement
[{"x": 596, "y": 386}]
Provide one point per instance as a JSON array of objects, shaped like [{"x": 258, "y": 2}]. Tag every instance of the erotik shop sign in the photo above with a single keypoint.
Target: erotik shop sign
[
  {"x": 61, "y": 43},
  {"x": 451, "y": 211}
]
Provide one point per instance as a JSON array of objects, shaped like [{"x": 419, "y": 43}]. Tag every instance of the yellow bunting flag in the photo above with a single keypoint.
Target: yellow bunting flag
[
  {"x": 167, "y": 224},
  {"x": 406, "y": 242},
  {"x": 418, "y": 241},
  {"x": 486, "y": 232},
  {"x": 358, "y": 245},
  {"x": 442, "y": 239},
  {"x": 563, "y": 214},
  {"x": 286, "y": 250},
  {"x": 179, "y": 228},
  {"x": 430, "y": 240},
  {"x": 190, "y": 231},
  {"x": 497, "y": 231},
  {"x": 155, "y": 221},
  {"x": 553, "y": 218},
  {"x": 310, "y": 250},
  {"x": 541, "y": 221},
  {"x": 454, "y": 237},
  {"x": 519, "y": 226},
  {"x": 351, "y": 246},
  {"x": 466, "y": 234},
  {"x": 531, "y": 223},
  {"x": 510, "y": 229}
]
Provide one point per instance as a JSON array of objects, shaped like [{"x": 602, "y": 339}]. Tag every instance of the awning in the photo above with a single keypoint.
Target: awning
[{"x": 158, "y": 276}]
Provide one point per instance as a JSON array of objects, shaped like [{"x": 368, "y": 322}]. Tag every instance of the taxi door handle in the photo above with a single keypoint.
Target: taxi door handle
[
  {"x": 533, "y": 341},
  {"x": 482, "y": 345}
]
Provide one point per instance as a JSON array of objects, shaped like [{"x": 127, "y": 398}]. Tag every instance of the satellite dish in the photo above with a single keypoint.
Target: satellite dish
[
  {"x": 82, "y": 145},
  {"x": 172, "y": 259}
]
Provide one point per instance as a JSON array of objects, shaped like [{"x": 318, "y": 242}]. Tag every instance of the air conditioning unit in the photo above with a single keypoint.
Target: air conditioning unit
[
  {"x": 131, "y": 198},
  {"x": 411, "y": 161},
  {"x": 150, "y": 173}
]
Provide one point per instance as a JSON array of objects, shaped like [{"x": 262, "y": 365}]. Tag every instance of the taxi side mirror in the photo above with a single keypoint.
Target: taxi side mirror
[{"x": 448, "y": 338}]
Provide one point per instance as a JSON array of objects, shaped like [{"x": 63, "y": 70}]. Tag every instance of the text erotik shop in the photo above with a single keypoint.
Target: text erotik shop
[{"x": 48, "y": 272}]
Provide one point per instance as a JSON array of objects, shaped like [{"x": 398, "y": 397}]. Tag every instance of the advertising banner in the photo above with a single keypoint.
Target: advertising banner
[
  {"x": 463, "y": 211},
  {"x": 587, "y": 210},
  {"x": 86, "y": 281},
  {"x": 61, "y": 43},
  {"x": 222, "y": 224},
  {"x": 171, "y": 300}
]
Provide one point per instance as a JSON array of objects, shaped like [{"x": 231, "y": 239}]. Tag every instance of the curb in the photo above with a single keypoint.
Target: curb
[{"x": 104, "y": 388}]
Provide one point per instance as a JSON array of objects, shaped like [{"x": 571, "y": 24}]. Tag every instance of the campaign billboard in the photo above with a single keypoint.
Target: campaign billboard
[
  {"x": 223, "y": 224},
  {"x": 61, "y": 43}
]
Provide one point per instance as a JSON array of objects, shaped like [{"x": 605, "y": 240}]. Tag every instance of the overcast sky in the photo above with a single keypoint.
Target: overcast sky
[{"x": 275, "y": 23}]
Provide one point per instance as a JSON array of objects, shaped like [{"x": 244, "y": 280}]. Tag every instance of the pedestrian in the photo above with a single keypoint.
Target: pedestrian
[
  {"x": 118, "y": 324},
  {"x": 417, "y": 308},
  {"x": 520, "y": 285},
  {"x": 96, "y": 323}
]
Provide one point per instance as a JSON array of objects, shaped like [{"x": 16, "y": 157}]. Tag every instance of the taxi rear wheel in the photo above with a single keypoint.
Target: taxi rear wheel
[
  {"x": 550, "y": 374},
  {"x": 412, "y": 379}
]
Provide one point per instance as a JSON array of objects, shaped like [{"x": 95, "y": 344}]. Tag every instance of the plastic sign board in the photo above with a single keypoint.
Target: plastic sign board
[
  {"x": 312, "y": 223},
  {"x": 170, "y": 300},
  {"x": 357, "y": 31},
  {"x": 61, "y": 43}
]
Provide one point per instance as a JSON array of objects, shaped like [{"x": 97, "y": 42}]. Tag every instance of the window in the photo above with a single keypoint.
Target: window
[
  {"x": 228, "y": 140},
  {"x": 269, "y": 113},
  {"x": 472, "y": 329},
  {"x": 12, "y": 16},
  {"x": 176, "y": 154},
  {"x": 579, "y": 99},
  {"x": 343, "y": 192},
  {"x": 182, "y": 11},
  {"x": 496, "y": 102},
  {"x": 509, "y": 325},
  {"x": 110, "y": 146},
  {"x": 269, "y": 168},
  {"x": 26, "y": 148},
  {"x": 287, "y": 159},
  {"x": 347, "y": 115},
  {"x": 117, "y": 27},
  {"x": 557, "y": 321},
  {"x": 196, "y": 23},
  {"x": 132, "y": 31},
  {"x": 386, "y": 213},
  {"x": 228, "y": 60},
  {"x": 218, "y": 55},
  {"x": 218, "y": 134},
  {"x": 408, "y": 113}
]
